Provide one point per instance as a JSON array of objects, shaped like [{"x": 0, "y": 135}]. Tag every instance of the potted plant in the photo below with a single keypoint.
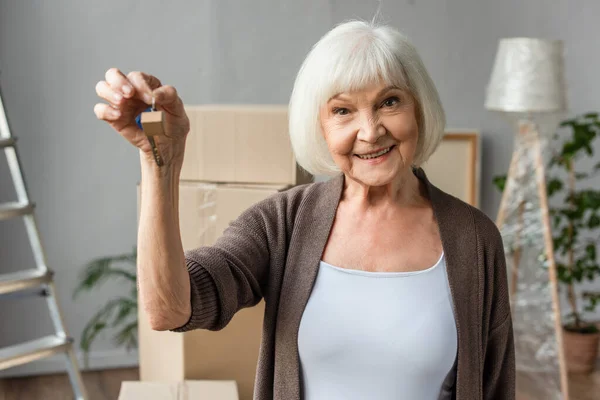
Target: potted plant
[
  {"x": 575, "y": 226},
  {"x": 119, "y": 313}
]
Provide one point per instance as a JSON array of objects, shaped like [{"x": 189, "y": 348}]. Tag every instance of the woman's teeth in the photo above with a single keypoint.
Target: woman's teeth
[{"x": 375, "y": 155}]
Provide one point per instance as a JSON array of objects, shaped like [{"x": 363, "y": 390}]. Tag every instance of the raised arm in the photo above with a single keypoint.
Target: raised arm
[
  {"x": 163, "y": 280},
  {"x": 205, "y": 287}
]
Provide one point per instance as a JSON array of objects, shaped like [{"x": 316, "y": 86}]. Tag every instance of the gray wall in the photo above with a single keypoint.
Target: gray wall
[{"x": 83, "y": 176}]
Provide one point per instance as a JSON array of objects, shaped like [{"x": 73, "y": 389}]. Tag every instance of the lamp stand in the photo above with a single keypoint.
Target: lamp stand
[{"x": 529, "y": 131}]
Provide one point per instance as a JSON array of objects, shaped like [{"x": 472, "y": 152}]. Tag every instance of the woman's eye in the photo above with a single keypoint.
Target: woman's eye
[
  {"x": 341, "y": 111},
  {"x": 392, "y": 101}
]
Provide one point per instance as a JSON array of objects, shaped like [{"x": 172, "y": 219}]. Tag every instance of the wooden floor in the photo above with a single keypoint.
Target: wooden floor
[
  {"x": 581, "y": 387},
  {"x": 585, "y": 387},
  {"x": 101, "y": 385},
  {"x": 104, "y": 385}
]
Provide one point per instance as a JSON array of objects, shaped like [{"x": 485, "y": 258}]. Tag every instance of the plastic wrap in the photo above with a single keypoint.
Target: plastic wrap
[{"x": 534, "y": 315}]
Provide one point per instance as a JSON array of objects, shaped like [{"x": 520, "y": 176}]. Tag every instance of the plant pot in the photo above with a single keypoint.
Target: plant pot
[{"x": 581, "y": 350}]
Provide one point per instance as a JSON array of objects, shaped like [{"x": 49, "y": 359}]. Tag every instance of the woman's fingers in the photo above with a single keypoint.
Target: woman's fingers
[
  {"x": 143, "y": 85},
  {"x": 119, "y": 83},
  {"x": 166, "y": 94},
  {"x": 106, "y": 92},
  {"x": 129, "y": 95},
  {"x": 106, "y": 113},
  {"x": 167, "y": 97}
]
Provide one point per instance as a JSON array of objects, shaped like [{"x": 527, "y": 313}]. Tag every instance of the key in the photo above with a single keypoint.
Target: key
[{"x": 152, "y": 122}]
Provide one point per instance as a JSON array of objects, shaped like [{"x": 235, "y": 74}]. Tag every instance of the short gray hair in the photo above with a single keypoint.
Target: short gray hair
[{"x": 350, "y": 57}]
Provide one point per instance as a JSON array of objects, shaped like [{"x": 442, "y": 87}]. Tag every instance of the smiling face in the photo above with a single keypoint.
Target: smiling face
[{"x": 372, "y": 133}]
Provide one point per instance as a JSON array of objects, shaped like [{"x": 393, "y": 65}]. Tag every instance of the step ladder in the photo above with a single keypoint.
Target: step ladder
[{"x": 37, "y": 281}]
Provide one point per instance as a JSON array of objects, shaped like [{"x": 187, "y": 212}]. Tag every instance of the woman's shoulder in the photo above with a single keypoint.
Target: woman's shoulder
[
  {"x": 456, "y": 216},
  {"x": 485, "y": 226},
  {"x": 292, "y": 196},
  {"x": 286, "y": 203},
  {"x": 473, "y": 232},
  {"x": 463, "y": 214}
]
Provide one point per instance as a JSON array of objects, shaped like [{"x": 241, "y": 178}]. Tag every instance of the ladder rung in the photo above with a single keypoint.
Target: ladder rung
[
  {"x": 15, "y": 209},
  {"x": 22, "y": 280},
  {"x": 23, "y": 353},
  {"x": 7, "y": 142}
]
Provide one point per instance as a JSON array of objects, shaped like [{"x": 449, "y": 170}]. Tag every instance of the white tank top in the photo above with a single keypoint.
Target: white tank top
[{"x": 377, "y": 335}]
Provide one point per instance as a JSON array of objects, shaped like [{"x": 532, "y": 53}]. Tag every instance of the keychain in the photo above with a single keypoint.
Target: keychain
[{"x": 152, "y": 122}]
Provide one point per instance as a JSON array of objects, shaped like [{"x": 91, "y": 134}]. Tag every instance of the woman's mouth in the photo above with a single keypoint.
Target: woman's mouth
[{"x": 376, "y": 154}]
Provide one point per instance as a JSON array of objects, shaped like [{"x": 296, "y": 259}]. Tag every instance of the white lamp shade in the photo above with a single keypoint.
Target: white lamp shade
[{"x": 528, "y": 76}]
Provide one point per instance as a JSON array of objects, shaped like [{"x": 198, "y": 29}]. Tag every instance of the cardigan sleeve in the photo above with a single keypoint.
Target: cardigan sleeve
[
  {"x": 499, "y": 362},
  {"x": 231, "y": 274},
  {"x": 499, "y": 369}
]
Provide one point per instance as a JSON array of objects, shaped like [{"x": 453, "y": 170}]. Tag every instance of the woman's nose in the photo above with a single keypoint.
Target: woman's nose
[{"x": 371, "y": 130}]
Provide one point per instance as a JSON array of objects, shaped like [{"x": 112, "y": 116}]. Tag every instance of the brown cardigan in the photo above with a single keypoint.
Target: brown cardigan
[{"x": 273, "y": 249}]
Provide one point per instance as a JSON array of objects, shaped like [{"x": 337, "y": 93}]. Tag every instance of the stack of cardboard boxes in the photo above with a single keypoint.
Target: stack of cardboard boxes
[{"x": 235, "y": 156}]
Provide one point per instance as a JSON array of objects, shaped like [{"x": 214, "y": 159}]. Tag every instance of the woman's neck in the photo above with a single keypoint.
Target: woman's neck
[{"x": 406, "y": 190}]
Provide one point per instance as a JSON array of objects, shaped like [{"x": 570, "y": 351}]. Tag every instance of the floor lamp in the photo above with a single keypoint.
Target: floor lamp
[{"x": 527, "y": 85}]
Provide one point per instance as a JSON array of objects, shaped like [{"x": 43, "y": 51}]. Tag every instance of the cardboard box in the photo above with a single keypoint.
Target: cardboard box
[
  {"x": 205, "y": 211},
  {"x": 188, "y": 390},
  {"x": 240, "y": 144}
]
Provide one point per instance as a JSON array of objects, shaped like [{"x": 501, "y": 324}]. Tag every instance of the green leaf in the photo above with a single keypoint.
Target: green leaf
[
  {"x": 572, "y": 214},
  {"x": 593, "y": 299},
  {"x": 578, "y": 271},
  {"x": 126, "y": 308},
  {"x": 588, "y": 149},
  {"x": 581, "y": 175},
  {"x": 555, "y": 160},
  {"x": 568, "y": 122},
  {"x": 591, "y": 275},
  {"x": 588, "y": 199},
  {"x": 100, "y": 270},
  {"x": 554, "y": 185},
  {"x": 563, "y": 273},
  {"x": 591, "y": 295},
  {"x": 91, "y": 330},
  {"x": 556, "y": 219},
  {"x": 500, "y": 182},
  {"x": 583, "y": 133},
  {"x": 594, "y": 221},
  {"x": 127, "y": 336},
  {"x": 98, "y": 323},
  {"x": 592, "y": 115},
  {"x": 569, "y": 150},
  {"x": 597, "y": 166}
]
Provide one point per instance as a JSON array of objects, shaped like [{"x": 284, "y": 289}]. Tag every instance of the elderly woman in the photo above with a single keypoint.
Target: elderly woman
[{"x": 377, "y": 284}]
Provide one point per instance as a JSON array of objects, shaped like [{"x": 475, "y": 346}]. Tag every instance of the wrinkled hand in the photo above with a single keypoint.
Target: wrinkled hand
[{"x": 128, "y": 96}]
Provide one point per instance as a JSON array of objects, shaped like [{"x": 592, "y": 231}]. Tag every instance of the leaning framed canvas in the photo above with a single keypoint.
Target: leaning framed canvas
[{"x": 455, "y": 165}]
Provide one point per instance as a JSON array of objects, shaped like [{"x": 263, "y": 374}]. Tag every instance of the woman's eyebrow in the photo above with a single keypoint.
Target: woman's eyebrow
[
  {"x": 387, "y": 89},
  {"x": 336, "y": 96}
]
